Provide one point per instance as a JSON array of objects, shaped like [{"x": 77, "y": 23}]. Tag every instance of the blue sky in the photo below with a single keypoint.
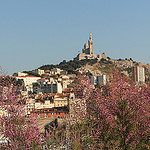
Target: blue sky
[{"x": 39, "y": 32}]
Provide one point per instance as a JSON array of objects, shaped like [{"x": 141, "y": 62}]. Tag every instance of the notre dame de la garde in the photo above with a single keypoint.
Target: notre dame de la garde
[{"x": 88, "y": 51}]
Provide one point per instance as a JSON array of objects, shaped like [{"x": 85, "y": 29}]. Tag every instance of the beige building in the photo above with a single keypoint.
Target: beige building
[
  {"x": 44, "y": 101},
  {"x": 56, "y": 70},
  {"x": 61, "y": 100},
  {"x": 44, "y": 104},
  {"x": 20, "y": 74},
  {"x": 38, "y": 71},
  {"x": 88, "y": 52}
]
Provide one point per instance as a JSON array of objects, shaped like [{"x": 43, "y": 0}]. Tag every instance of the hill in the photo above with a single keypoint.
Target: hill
[{"x": 96, "y": 67}]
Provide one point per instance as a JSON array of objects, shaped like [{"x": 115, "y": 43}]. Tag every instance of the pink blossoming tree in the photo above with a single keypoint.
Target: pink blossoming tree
[
  {"x": 19, "y": 131},
  {"x": 118, "y": 115}
]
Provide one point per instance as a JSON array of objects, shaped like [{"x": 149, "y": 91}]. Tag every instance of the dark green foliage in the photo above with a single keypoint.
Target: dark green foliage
[
  {"x": 104, "y": 61},
  {"x": 93, "y": 61},
  {"x": 51, "y": 126},
  {"x": 69, "y": 66},
  {"x": 89, "y": 74},
  {"x": 31, "y": 73},
  {"x": 9, "y": 80},
  {"x": 129, "y": 70},
  {"x": 131, "y": 59},
  {"x": 120, "y": 59}
]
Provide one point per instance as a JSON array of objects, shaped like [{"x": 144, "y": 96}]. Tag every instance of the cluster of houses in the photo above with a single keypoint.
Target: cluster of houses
[
  {"x": 48, "y": 95},
  {"x": 46, "y": 82},
  {"x": 49, "y": 105}
]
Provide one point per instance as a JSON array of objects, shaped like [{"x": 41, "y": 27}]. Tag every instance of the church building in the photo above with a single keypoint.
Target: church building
[{"x": 88, "y": 51}]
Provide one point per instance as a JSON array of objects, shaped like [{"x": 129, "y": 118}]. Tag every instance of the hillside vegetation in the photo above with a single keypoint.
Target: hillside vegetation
[
  {"x": 69, "y": 66},
  {"x": 95, "y": 67}
]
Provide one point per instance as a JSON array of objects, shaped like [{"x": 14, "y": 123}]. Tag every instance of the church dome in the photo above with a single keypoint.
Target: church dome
[{"x": 86, "y": 46}]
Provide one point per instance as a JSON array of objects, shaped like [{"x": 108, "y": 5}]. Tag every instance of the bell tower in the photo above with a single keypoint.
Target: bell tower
[{"x": 90, "y": 43}]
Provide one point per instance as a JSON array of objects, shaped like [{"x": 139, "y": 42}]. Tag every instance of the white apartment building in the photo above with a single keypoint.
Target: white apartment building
[
  {"x": 98, "y": 80},
  {"x": 54, "y": 87},
  {"x": 30, "y": 105},
  {"x": 138, "y": 74},
  {"x": 28, "y": 81},
  {"x": 101, "y": 80},
  {"x": 93, "y": 80}
]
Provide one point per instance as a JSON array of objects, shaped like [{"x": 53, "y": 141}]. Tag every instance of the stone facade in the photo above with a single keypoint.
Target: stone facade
[
  {"x": 88, "y": 52},
  {"x": 38, "y": 71}
]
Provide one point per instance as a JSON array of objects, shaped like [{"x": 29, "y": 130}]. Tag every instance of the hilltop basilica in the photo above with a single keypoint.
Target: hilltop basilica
[{"x": 88, "y": 51}]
